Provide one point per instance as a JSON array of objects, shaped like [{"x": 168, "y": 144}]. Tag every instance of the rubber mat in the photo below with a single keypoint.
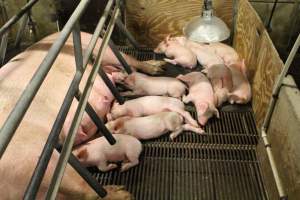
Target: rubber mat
[{"x": 220, "y": 164}]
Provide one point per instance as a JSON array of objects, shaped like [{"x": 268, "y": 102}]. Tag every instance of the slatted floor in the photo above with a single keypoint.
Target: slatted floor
[{"x": 220, "y": 164}]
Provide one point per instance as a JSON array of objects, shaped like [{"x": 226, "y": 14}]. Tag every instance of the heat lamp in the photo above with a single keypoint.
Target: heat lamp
[{"x": 206, "y": 28}]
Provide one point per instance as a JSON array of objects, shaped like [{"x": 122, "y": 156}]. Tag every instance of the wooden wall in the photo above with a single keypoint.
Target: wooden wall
[
  {"x": 151, "y": 20},
  {"x": 253, "y": 43}
]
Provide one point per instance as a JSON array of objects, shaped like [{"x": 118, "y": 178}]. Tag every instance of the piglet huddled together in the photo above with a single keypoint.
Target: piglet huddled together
[{"x": 159, "y": 104}]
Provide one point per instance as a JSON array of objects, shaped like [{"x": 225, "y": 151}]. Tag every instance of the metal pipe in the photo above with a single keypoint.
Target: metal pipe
[
  {"x": 63, "y": 159},
  {"x": 269, "y": 114},
  {"x": 119, "y": 56},
  {"x": 274, "y": 169},
  {"x": 111, "y": 87},
  {"x": 16, "y": 17},
  {"x": 77, "y": 47},
  {"x": 128, "y": 35},
  {"x": 279, "y": 83},
  {"x": 22, "y": 27},
  {"x": 3, "y": 48},
  {"x": 85, "y": 174},
  {"x": 45, "y": 156},
  {"x": 99, "y": 123},
  {"x": 17, "y": 114},
  {"x": 268, "y": 26}
]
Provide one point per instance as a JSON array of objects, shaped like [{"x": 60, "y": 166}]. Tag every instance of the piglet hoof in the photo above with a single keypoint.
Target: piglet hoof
[
  {"x": 152, "y": 67},
  {"x": 172, "y": 137},
  {"x": 116, "y": 192}
]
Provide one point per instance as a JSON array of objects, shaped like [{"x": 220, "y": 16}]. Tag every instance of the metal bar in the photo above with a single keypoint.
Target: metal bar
[
  {"x": 43, "y": 161},
  {"x": 120, "y": 57},
  {"x": 63, "y": 159},
  {"x": 111, "y": 87},
  {"x": 85, "y": 174},
  {"x": 278, "y": 182},
  {"x": 17, "y": 114},
  {"x": 22, "y": 27},
  {"x": 77, "y": 47},
  {"x": 128, "y": 35},
  {"x": 268, "y": 26},
  {"x": 269, "y": 114},
  {"x": 279, "y": 83},
  {"x": 99, "y": 123},
  {"x": 3, "y": 47},
  {"x": 16, "y": 17}
]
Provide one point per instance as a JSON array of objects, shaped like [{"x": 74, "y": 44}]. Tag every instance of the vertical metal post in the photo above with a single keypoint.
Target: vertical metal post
[
  {"x": 22, "y": 27},
  {"x": 3, "y": 48},
  {"x": 99, "y": 123},
  {"x": 120, "y": 57}
]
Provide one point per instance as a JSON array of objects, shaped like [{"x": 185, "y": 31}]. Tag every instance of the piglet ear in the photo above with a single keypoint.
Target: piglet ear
[{"x": 82, "y": 154}]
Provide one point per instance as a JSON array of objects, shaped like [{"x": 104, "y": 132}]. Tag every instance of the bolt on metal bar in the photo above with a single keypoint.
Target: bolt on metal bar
[
  {"x": 45, "y": 156},
  {"x": 22, "y": 27},
  {"x": 3, "y": 47},
  {"x": 128, "y": 35},
  {"x": 66, "y": 151},
  {"x": 120, "y": 57},
  {"x": 17, "y": 114},
  {"x": 16, "y": 17},
  {"x": 85, "y": 174},
  {"x": 99, "y": 123}
]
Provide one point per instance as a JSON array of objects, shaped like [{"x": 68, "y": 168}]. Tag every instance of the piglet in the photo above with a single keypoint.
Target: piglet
[
  {"x": 227, "y": 53},
  {"x": 221, "y": 80},
  {"x": 100, "y": 153},
  {"x": 141, "y": 84},
  {"x": 151, "y": 126},
  {"x": 201, "y": 94},
  {"x": 149, "y": 105},
  {"x": 241, "y": 91},
  {"x": 181, "y": 55}
]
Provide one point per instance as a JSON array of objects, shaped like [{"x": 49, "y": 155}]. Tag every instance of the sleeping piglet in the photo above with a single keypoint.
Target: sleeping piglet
[
  {"x": 180, "y": 54},
  {"x": 201, "y": 94},
  {"x": 151, "y": 126},
  {"x": 142, "y": 84},
  {"x": 241, "y": 92},
  {"x": 100, "y": 153},
  {"x": 221, "y": 80},
  {"x": 149, "y": 105}
]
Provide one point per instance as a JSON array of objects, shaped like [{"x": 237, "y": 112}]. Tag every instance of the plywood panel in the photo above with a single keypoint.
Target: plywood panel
[
  {"x": 151, "y": 20},
  {"x": 254, "y": 44}
]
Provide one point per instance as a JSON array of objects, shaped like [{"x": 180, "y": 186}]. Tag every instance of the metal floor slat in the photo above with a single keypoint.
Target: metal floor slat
[{"x": 220, "y": 164}]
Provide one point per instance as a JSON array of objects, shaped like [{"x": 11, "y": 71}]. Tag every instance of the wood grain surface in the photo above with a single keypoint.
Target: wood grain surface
[
  {"x": 253, "y": 43},
  {"x": 151, "y": 20}
]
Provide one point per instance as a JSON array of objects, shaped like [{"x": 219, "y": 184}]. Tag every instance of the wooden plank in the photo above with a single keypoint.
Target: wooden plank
[
  {"x": 264, "y": 64},
  {"x": 151, "y": 20}
]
